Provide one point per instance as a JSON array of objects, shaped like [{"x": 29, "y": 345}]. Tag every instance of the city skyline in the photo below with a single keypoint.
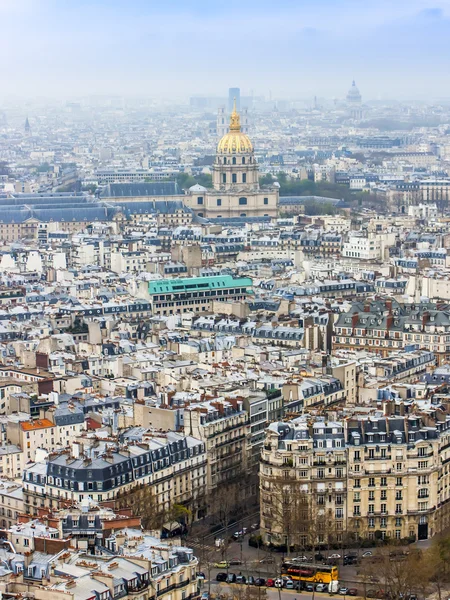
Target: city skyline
[{"x": 294, "y": 49}]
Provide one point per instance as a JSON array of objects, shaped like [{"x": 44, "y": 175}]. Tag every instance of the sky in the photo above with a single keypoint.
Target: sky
[{"x": 177, "y": 48}]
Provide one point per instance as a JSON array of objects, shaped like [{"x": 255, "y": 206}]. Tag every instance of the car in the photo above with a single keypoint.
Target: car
[
  {"x": 366, "y": 554},
  {"x": 241, "y": 579},
  {"x": 321, "y": 587},
  {"x": 231, "y": 578},
  {"x": 278, "y": 583},
  {"x": 334, "y": 556},
  {"x": 343, "y": 591},
  {"x": 352, "y": 592},
  {"x": 205, "y": 596},
  {"x": 260, "y": 581},
  {"x": 235, "y": 561},
  {"x": 250, "y": 580},
  {"x": 350, "y": 559},
  {"x": 219, "y": 542},
  {"x": 267, "y": 560},
  {"x": 270, "y": 582},
  {"x": 223, "y": 564},
  {"x": 254, "y": 527},
  {"x": 288, "y": 584},
  {"x": 221, "y": 577},
  {"x": 309, "y": 587},
  {"x": 301, "y": 559},
  {"x": 200, "y": 575}
]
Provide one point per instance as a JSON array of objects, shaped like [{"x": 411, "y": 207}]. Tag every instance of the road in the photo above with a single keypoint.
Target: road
[{"x": 272, "y": 593}]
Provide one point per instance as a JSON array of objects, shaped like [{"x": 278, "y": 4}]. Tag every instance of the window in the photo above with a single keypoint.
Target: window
[
  {"x": 234, "y": 178},
  {"x": 234, "y": 160},
  {"x": 266, "y": 200},
  {"x": 224, "y": 178},
  {"x": 242, "y": 201},
  {"x": 199, "y": 200},
  {"x": 243, "y": 160},
  {"x": 219, "y": 202},
  {"x": 244, "y": 177}
]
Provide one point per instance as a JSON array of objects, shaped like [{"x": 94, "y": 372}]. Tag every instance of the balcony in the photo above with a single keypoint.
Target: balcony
[
  {"x": 135, "y": 589},
  {"x": 378, "y": 472}
]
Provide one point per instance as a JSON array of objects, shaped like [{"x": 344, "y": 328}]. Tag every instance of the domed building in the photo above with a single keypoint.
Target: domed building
[
  {"x": 353, "y": 95},
  {"x": 236, "y": 191}
]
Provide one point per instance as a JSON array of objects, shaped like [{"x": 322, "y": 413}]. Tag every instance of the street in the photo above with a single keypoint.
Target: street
[{"x": 272, "y": 593}]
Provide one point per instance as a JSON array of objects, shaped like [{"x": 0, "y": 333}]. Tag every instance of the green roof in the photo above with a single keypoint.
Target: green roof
[{"x": 186, "y": 284}]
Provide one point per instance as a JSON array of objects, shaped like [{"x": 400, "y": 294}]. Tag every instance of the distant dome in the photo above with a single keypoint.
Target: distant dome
[
  {"x": 234, "y": 141},
  {"x": 354, "y": 95},
  {"x": 197, "y": 188}
]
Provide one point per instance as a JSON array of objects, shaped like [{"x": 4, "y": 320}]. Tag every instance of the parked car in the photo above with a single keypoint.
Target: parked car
[
  {"x": 221, "y": 577},
  {"x": 343, "y": 591},
  {"x": 205, "y": 596},
  {"x": 267, "y": 560},
  {"x": 321, "y": 587},
  {"x": 270, "y": 582},
  {"x": 231, "y": 578},
  {"x": 200, "y": 575},
  {"x": 254, "y": 527},
  {"x": 222, "y": 564},
  {"x": 352, "y": 592},
  {"x": 289, "y": 584},
  {"x": 240, "y": 579},
  {"x": 235, "y": 561},
  {"x": 250, "y": 580},
  {"x": 366, "y": 554},
  {"x": 334, "y": 556},
  {"x": 350, "y": 559},
  {"x": 301, "y": 558},
  {"x": 309, "y": 587},
  {"x": 260, "y": 581}
]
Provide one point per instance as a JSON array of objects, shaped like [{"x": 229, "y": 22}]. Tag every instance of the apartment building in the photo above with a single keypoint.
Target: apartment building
[
  {"x": 391, "y": 470},
  {"x": 303, "y": 483},
  {"x": 11, "y": 502},
  {"x": 386, "y": 326},
  {"x": 223, "y": 426},
  {"x": 174, "y": 467}
]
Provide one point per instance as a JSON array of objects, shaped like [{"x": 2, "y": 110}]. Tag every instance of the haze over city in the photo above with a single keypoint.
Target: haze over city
[
  {"x": 295, "y": 48},
  {"x": 224, "y": 300}
]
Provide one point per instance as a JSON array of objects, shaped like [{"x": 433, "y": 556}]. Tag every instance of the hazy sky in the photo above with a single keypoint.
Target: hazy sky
[{"x": 296, "y": 48}]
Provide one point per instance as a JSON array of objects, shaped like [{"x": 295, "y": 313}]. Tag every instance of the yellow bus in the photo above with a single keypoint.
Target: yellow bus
[{"x": 311, "y": 573}]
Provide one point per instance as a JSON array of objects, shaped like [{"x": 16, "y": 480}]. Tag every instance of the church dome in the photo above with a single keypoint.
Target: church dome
[
  {"x": 235, "y": 141},
  {"x": 353, "y": 94}
]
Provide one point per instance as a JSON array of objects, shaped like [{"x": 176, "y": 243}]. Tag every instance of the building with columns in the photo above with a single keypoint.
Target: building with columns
[{"x": 236, "y": 191}]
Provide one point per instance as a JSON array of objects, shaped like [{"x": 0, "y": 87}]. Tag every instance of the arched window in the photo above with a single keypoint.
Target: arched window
[
  {"x": 234, "y": 178},
  {"x": 243, "y": 214},
  {"x": 243, "y": 160},
  {"x": 224, "y": 178},
  {"x": 244, "y": 177},
  {"x": 234, "y": 160},
  {"x": 242, "y": 201}
]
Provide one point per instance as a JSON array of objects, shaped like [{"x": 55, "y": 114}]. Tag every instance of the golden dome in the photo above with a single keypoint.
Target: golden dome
[{"x": 234, "y": 141}]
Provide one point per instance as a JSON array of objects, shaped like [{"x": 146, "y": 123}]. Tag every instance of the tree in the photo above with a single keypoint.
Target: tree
[
  {"x": 397, "y": 575},
  {"x": 287, "y": 509},
  {"x": 438, "y": 560}
]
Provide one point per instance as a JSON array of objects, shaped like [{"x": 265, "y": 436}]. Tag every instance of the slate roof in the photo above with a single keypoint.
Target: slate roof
[{"x": 129, "y": 190}]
